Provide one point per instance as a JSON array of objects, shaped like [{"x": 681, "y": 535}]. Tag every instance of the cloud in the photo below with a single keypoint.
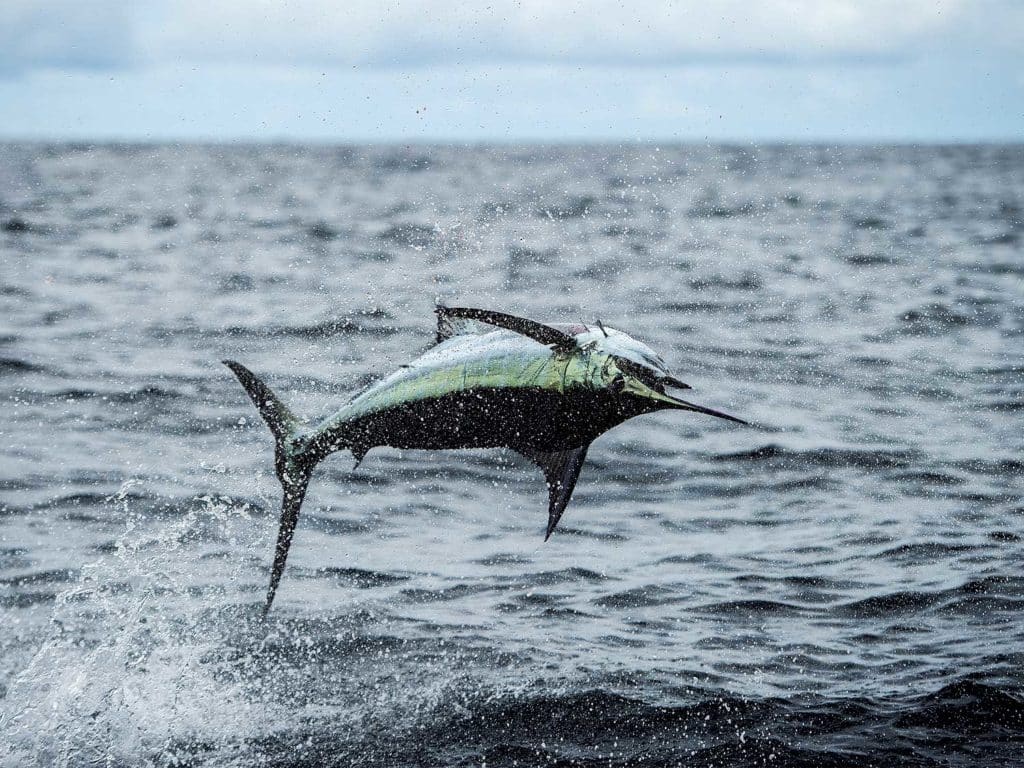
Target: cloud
[
  {"x": 320, "y": 69},
  {"x": 418, "y": 33},
  {"x": 66, "y": 34}
]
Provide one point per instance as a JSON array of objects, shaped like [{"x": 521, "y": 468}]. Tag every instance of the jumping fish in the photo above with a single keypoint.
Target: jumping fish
[{"x": 544, "y": 391}]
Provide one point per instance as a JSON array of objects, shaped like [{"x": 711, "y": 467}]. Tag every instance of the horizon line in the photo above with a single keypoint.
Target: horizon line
[{"x": 439, "y": 141}]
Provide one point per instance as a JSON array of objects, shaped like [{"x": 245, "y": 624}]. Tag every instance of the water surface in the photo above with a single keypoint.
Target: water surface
[{"x": 840, "y": 585}]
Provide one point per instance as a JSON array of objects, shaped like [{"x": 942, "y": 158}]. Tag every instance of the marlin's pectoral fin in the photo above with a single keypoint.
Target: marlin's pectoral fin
[
  {"x": 561, "y": 468},
  {"x": 539, "y": 332}
]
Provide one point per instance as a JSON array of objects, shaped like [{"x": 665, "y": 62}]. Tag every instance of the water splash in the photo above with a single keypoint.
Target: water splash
[{"x": 140, "y": 663}]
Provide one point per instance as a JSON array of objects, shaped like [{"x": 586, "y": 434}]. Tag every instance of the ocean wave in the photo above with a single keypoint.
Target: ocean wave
[
  {"x": 600, "y": 727},
  {"x": 777, "y": 456},
  {"x": 14, "y": 365}
]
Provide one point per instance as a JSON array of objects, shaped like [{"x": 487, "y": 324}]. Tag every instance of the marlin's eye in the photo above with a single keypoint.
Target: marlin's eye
[{"x": 618, "y": 384}]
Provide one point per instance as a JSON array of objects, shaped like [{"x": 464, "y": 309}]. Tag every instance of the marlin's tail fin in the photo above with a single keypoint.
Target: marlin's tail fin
[{"x": 293, "y": 466}]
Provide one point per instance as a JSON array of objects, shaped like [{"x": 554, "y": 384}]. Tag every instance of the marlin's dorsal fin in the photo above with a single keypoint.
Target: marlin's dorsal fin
[
  {"x": 561, "y": 468},
  {"x": 544, "y": 334},
  {"x": 449, "y": 326}
]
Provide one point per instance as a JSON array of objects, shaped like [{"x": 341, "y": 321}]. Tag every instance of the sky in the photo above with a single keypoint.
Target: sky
[{"x": 442, "y": 70}]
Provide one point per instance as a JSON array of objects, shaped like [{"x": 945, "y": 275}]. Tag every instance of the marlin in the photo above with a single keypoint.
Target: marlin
[{"x": 492, "y": 380}]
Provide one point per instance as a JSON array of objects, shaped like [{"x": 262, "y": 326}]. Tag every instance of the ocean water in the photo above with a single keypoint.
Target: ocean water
[{"x": 841, "y": 583}]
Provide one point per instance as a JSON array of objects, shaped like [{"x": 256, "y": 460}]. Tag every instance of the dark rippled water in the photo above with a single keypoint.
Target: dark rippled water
[{"x": 841, "y": 585}]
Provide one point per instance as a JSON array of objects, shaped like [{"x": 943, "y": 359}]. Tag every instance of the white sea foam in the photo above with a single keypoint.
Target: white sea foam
[{"x": 135, "y": 667}]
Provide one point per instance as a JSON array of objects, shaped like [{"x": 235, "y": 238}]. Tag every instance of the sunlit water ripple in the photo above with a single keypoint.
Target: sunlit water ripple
[{"x": 840, "y": 585}]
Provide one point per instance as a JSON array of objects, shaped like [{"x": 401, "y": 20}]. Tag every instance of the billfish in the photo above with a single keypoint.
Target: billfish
[{"x": 492, "y": 380}]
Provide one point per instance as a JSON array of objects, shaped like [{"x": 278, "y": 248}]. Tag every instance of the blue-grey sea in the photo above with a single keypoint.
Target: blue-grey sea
[{"x": 839, "y": 584}]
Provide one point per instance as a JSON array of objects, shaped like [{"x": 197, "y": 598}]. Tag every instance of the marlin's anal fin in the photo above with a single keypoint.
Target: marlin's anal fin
[
  {"x": 561, "y": 469},
  {"x": 539, "y": 332},
  {"x": 359, "y": 453}
]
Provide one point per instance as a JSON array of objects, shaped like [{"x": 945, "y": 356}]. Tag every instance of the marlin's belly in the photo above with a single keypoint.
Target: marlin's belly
[{"x": 520, "y": 418}]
